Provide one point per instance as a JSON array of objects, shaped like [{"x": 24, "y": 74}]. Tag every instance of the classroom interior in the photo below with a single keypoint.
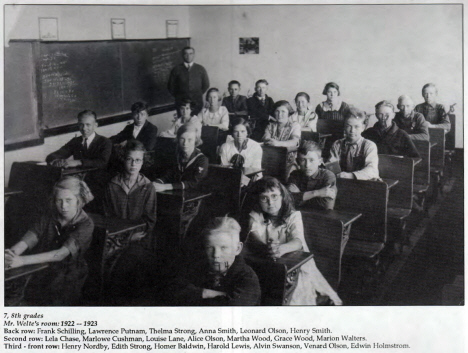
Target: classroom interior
[{"x": 374, "y": 52}]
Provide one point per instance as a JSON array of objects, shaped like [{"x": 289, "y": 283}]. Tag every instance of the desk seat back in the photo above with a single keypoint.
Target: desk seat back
[
  {"x": 209, "y": 136},
  {"x": 438, "y": 151},
  {"x": 401, "y": 169},
  {"x": 36, "y": 182},
  {"x": 422, "y": 171},
  {"x": 225, "y": 185},
  {"x": 369, "y": 198},
  {"x": 164, "y": 156},
  {"x": 276, "y": 161},
  {"x": 310, "y": 136}
]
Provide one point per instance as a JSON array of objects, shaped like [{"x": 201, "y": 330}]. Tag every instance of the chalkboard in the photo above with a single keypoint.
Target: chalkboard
[
  {"x": 78, "y": 76},
  {"x": 146, "y": 67},
  {"x": 48, "y": 83},
  {"x": 22, "y": 127}
]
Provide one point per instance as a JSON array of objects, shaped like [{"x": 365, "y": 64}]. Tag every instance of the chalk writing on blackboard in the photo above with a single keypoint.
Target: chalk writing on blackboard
[{"x": 58, "y": 84}]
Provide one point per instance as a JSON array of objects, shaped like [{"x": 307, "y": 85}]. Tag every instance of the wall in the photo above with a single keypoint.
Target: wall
[
  {"x": 94, "y": 22},
  {"x": 373, "y": 52},
  {"x": 89, "y": 23}
]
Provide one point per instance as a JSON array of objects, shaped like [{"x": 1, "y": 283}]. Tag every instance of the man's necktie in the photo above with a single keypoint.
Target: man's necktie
[{"x": 85, "y": 145}]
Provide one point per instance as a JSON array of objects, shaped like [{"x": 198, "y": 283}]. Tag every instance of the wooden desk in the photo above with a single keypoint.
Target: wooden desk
[
  {"x": 249, "y": 172},
  {"x": 10, "y": 192},
  {"x": 176, "y": 211},
  {"x": 390, "y": 182},
  {"x": 117, "y": 233},
  {"x": 77, "y": 170},
  {"x": 327, "y": 233},
  {"x": 23, "y": 271},
  {"x": 278, "y": 279}
]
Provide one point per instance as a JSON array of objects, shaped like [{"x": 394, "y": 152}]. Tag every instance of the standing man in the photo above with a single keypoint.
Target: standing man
[{"x": 189, "y": 80}]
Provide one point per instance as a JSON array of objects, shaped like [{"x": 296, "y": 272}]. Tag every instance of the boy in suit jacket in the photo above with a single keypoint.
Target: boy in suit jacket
[
  {"x": 236, "y": 104},
  {"x": 260, "y": 107},
  {"x": 141, "y": 129},
  {"x": 88, "y": 150}
]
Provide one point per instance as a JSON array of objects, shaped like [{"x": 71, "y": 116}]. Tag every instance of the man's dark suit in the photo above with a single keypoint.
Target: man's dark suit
[
  {"x": 147, "y": 135},
  {"x": 97, "y": 154}
]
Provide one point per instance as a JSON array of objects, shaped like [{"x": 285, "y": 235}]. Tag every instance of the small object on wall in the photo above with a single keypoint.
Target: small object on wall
[
  {"x": 48, "y": 28},
  {"x": 249, "y": 45},
  {"x": 118, "y": 28},
  {"x": 172, "y": 27}
]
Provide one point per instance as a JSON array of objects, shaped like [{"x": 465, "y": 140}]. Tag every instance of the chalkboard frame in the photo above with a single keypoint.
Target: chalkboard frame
[
  {"x": 39, "y": 140},
  {"x": 107, "y": 120}
]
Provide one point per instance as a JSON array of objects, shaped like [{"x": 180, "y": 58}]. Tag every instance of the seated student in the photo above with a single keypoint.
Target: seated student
[
  {"x": 312, "y": 184},
  {"x": 358, "y": 157},
  {"x": 241, "y": 151},
  {"x": 283, "y": 131},
  {"x": 60, "y": 238},
  {"x": 236, "y": 104},
  {"x": 388, "y": 137},
  {"x": 305, "y": 116},
  {"x": 275, "y": 229},
  {"x": 411, "y": 121},
  {"x": 141, "y": 129},
  {"x": 183, "y": 116},
  {"x": 260, "y": 108},
  {"x": 433, "y": 112},
  {"x": 333, "y": 108},
  {"x": 130, "y": 195},
  {"x": 89, "y": 150},
  {"x": 214, "y": 115},
  {"x": 221, "y": 277},
  {"x": 190, "y": 165}
]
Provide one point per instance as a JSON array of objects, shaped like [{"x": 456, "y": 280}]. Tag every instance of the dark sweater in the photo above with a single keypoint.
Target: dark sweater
[
  {"x": 435, "y": 115},
  {"x": 147, "y": 135},
  {"x": 97, "y": 154},
  {"x": 323, "y": 178},
  {"x": 237, "y": 107},
  {"x": 240, "y": 283},
  {"x": 394, "y": 141},
  {"x": 415, "y": 125}
]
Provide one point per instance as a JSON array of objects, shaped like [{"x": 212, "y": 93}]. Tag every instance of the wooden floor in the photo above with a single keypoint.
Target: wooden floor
[{"x": 431, "y": 270}]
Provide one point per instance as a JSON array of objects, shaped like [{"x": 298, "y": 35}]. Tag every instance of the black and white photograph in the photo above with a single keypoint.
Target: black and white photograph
[{"x": 153, "y": 165}]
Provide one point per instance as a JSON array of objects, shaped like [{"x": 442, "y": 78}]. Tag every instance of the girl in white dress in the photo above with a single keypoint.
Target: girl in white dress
[
  {"x": 183, "y": 116},
  {"x": 305, "y": 115},
  {"x": 275, "y": 229},
  {"x": 215, "y": 114}
]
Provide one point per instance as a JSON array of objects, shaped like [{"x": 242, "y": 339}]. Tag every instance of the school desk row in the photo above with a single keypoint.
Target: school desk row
[{"x": 327, "y": 232}]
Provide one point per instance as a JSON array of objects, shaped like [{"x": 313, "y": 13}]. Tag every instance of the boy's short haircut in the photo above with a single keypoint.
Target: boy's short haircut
[
  {"x": 188, "y": 48},
  {"x": 134, "y": 145},
  {"x": 87, "y": 113},
  {"x": 302, "y": 94},
  {"x": 241, "y": 121},
  {"x": 309, "y": 146},
  {"x": 224, "y": 225},
  {"x": 234, "y": 82},
  {"x": 331, "y": 85},
  {"x": 403, "y": 97},
  {"x": 357, "y": 114},
  {"x": 139, "y": 107},
  {"x": 427, "y": 85},
  {"x": 385, "y": 103},
  {"x": 212, "y": 89},
  {"x": 261, "y": 81}
]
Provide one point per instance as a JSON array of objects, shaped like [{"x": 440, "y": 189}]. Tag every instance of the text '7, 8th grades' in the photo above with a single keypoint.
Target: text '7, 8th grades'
[{"x": 30, "y": 332}]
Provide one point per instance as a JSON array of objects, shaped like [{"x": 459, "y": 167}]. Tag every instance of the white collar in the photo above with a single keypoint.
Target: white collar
[
  {"x": 188, "y": 65},
  {"x": 90, "y": 138}
]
